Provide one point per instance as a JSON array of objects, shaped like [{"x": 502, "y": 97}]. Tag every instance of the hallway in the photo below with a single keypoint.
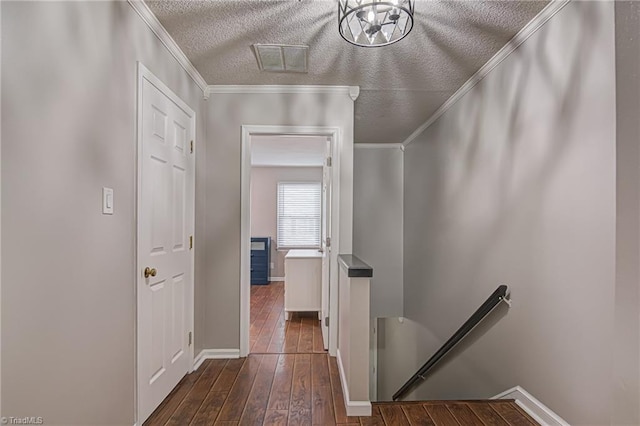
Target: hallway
[
  {"x": 304, "y": 389},
  {"x": 270, "y": 333},
  {"x": 269, "y": 389},
  {"x": 288, "y": 379}
]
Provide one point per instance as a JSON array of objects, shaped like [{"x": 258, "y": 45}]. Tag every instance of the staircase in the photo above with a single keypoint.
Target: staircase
[
  {"x": 398, "y": 343},
  {"x": 448, "y": 413}
]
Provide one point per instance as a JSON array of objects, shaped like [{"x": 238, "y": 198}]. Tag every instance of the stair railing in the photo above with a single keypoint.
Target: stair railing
[{"x": 499, "y": 295}]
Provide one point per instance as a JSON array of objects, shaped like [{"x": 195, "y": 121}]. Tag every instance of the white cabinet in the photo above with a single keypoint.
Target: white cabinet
[{"x": 302, "y": 282}]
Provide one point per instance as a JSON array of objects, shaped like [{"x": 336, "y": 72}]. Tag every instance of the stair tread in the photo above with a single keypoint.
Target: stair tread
[{"x": 498, "y": 412}]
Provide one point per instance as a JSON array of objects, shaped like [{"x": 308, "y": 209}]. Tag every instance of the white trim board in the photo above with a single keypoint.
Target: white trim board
[
  {"x": 354, "y": 408},
  {"x": 159, "y": 30},
  {"x": 276, "y": 278},
  {"x": 352, "y": 91},
  {"x": 0, "y": 220},
  {"x": 287, "y": 166},
  {"x": 214, "y": 354},
  {"x": 527, "y": 31},
  {"x": 536, "y": 409},
  {"x": 379, "y": 146}
]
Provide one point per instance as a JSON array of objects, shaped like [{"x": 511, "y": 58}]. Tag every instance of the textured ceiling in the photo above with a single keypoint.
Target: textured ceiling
[{"x": 401, "y": 85}]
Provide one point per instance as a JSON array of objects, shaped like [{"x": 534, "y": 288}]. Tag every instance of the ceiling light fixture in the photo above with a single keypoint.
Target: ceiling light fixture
[{"x": 374, "y": 23}]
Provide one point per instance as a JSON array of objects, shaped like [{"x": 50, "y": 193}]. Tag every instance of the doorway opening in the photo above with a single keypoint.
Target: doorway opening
[
  {"x": 288, "y": 202},
  {"x": 287, "y": 220}
]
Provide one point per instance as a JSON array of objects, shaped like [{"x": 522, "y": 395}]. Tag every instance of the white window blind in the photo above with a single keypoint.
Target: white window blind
[{"x": 299, "y": 214}]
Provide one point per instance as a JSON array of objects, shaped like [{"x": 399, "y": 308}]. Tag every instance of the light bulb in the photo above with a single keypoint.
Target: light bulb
[{"x": 371, "y": 16}]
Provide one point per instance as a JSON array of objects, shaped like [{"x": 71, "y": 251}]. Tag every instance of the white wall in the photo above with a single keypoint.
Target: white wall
[
  {"x": 377, "y": 224},
  {"x": 227, "y": 113},
  {"x": 264, "y": 197},
  {"x": 516, "y": 184},
  {"x": 353, "y": 341},
  {"x": 68, "y": 129}
]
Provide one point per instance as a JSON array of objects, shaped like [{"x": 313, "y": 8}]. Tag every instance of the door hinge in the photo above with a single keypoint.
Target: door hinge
[
  {"x": 190, "y": 242},
  {"x": 190, "y": 338},
  {"x": 192, "y": 147},
  {"x": 326, "y": 321},
  {"x": 328, "y": 242},
  {"x": 329, "y": 161}
]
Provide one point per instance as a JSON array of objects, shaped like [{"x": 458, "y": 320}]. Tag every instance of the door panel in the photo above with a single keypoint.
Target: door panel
[
  {"x": 165, "y": 220},
  {"x": 157, "y": 168},
  {"x": 156, "y": 362},
  {"x": 180, "y": 137},
  {"x": 178, "y": 209},
  {"x": 159, "y": 123},
  {"x": 177, "y": 310}
]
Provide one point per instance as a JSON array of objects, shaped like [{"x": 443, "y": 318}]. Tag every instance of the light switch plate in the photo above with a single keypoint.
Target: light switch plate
[{"x": 107, "y": 201}]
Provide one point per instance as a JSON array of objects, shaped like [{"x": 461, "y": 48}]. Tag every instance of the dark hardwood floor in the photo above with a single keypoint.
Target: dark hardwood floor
[
  {"x": 290, "y": 380},
  {"x": 304, "y": 389},
  {"x": 270, "y": 333}
]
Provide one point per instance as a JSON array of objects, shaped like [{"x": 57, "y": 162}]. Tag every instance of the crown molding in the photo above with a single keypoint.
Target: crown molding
[
  {"x": 285, "y": 166},
  {"x": 379, "y": 145},
  {"x": 351, "y": 91},
  {"x": 154, "y": 24},
  {"x": 527, "y": 31}
]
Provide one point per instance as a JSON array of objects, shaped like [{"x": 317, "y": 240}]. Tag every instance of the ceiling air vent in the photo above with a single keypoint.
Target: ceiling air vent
[{"x": 282, "y": 58}]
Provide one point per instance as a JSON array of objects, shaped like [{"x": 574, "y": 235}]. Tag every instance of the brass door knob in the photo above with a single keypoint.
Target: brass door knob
[{"x": 150, "y": 272}]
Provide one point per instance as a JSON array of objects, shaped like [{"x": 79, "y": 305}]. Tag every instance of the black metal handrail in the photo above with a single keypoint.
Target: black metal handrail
[{"x": 494, "y": 300}]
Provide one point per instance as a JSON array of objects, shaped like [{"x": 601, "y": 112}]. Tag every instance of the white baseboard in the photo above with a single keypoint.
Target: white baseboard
[
  {"x": 354, "y": 408},
  {"x": 214, "y": 354},
  {"x": 276, "y": 278},
  {"x": 536, "y": 409}
]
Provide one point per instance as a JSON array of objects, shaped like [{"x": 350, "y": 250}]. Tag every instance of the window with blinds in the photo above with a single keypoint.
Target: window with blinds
[{"x": 299, "y": 211}]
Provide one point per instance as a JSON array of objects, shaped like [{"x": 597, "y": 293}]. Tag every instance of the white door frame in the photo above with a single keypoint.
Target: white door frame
[
  {"x": 0, "y": 231},
  {"x": 245, "y": 222},
  {"x": 145, "y": 74}
]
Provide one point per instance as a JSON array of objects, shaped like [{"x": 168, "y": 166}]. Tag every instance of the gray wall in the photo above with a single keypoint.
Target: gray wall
[
  {"x": 226, "y": 114},
  {"x": 377, "y": 224},
  {"x": 264, "y": 197},
  {"x": 516, "y": 184},
  {"x": 403, "y": 346},
  {"x": 626, "y": 375},
  {"x": 68, "y": 279}
]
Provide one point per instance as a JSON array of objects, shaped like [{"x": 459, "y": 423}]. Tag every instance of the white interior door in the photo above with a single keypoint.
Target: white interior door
[
  {"x": 165, "y": 225},
  {"x": 326, "y": 243}
]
